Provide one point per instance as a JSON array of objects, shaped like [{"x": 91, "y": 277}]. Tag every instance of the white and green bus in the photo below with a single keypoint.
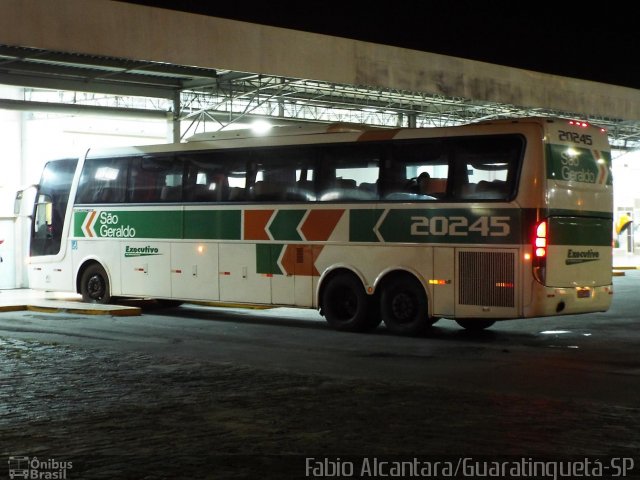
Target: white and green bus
[{"x": 491, "y": 221}]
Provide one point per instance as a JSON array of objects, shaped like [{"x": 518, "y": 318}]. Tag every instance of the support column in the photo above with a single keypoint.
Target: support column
[
  {"x": 11, "y": 243},
  {"x": 175, "y": 118}
]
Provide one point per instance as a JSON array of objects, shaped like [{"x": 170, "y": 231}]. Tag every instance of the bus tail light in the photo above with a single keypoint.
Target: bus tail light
[
  {"x": 540, "y": 251},
  {"x": 540, "y": 242}
]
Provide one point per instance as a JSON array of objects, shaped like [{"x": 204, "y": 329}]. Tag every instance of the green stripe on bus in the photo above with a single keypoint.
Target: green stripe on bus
[
  {"x": 559, "y": 212},
  {"x": 213, "y": 224},
  {"x": 190, "y": 224},
  {"x": 78, "y": 220},
  {"x": 393, "y": 225},
  {"x": 267, "y": 258},
  {"x": 452, "y": 225},
  {"x": 284, "y": 225},
  {"x": 166, "y": 224},
  {"x": 580, "y": 231},
  {"x": 362, "y": 224},
  {"x": 128, "y": 224}
]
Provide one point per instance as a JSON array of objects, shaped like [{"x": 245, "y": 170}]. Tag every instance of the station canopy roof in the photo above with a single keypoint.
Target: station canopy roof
[{"x": 58, "y": 81}]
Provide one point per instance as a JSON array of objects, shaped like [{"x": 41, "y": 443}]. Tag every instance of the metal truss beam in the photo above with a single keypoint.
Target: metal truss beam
[{"x": 206, "y": 99}]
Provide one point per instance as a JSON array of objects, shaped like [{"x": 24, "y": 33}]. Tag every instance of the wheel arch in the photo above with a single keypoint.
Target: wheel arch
[
  {"x": 389, "y": 274},
  {"x": 338, "y": 269},
  {"x": 86, "y": 263}
]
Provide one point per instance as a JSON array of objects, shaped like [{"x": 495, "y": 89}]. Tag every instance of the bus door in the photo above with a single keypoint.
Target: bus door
[{"x": 47, "y": 226}]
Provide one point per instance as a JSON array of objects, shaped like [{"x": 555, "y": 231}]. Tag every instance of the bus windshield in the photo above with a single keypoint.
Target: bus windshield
[{"x": 50, "y": 207}]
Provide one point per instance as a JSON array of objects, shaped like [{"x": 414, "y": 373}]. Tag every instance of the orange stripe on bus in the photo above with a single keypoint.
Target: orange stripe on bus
[
  {"x": 255, "y": 224},
  {"x": 89, "y": 223},
  {"x": 319, "y": 224},
  {"x": 300, "y": 260}
]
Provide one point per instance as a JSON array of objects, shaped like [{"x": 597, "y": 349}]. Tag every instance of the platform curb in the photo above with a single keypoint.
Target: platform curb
[{"x": 115, "y": 312}]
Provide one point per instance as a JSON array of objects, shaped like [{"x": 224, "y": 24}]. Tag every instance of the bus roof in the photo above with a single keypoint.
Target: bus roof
[{"x": 339, "y": 132}]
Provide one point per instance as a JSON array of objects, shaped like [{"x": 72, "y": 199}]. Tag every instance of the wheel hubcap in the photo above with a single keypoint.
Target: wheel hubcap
[
  {"x": 347, "y": 305},
  {"x": 403, "y": 307},
  {"x": 95, "y": 287}
]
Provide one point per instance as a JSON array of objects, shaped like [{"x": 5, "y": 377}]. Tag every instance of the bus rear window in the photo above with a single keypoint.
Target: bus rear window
[{"x": 487, "y": 167}]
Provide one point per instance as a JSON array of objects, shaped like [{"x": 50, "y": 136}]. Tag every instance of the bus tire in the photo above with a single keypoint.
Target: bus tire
[
  {"x": 346, "y": 306},
  {"x": 474, "y": 324},
  {"x": 404, "y": 306},
  {"x": 94, "y": 285}
]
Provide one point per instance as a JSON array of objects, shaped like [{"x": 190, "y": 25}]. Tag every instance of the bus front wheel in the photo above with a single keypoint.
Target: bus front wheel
[
  {"x": 94, "y": 285},
  {"x": 403, "y": 305},
  {"x": 346, "y": 306}
]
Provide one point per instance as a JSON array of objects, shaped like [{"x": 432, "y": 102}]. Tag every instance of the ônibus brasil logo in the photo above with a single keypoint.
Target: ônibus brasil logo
[{"x": 108, "y": 226}]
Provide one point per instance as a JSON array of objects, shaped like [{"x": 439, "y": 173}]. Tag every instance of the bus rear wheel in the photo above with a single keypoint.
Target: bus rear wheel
[
  {"x": 474, "y": 324},
  {"x": 94, "y": 285},
  {"x": 346, "y": 306},
  {"x": 404, "y": 306}
]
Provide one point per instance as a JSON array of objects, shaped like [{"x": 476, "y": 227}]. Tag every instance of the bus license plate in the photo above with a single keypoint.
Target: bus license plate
[{"x": 584, "y": 292}]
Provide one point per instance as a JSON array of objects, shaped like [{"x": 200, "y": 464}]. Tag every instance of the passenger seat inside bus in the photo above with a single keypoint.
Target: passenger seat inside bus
[
  {"x": 491, "y": 190},
  {"x": 484, "y": 190},
  {"x": 270, "y": 191},
  {"x": 435, "y": 187},
  {"x": 171, "y": 194}
]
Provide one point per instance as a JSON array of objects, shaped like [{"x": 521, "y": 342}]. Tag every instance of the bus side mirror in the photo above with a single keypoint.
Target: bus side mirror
[
  {"x": 43, "y": 216},
  {"x": 24, "y": 198},
  {"x": 17, "y": 203}
]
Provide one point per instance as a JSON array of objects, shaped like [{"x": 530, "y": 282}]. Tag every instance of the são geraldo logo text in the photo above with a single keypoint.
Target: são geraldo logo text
[{"x": 108, "y": 226}]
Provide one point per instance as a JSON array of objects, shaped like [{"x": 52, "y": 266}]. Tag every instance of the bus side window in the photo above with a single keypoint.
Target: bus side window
[
  {"x": 171, "y": 193},
  {"x": 487, "y": 166},
  {"x": 155, "y": 179},
  {"x": 143, "y": 187},
  {"x": 207, "y": 178},
  {"x": 103, "y": 180}
]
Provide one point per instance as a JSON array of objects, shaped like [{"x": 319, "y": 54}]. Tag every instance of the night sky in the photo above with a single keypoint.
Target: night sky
[{"x": 574, "y": 39}]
